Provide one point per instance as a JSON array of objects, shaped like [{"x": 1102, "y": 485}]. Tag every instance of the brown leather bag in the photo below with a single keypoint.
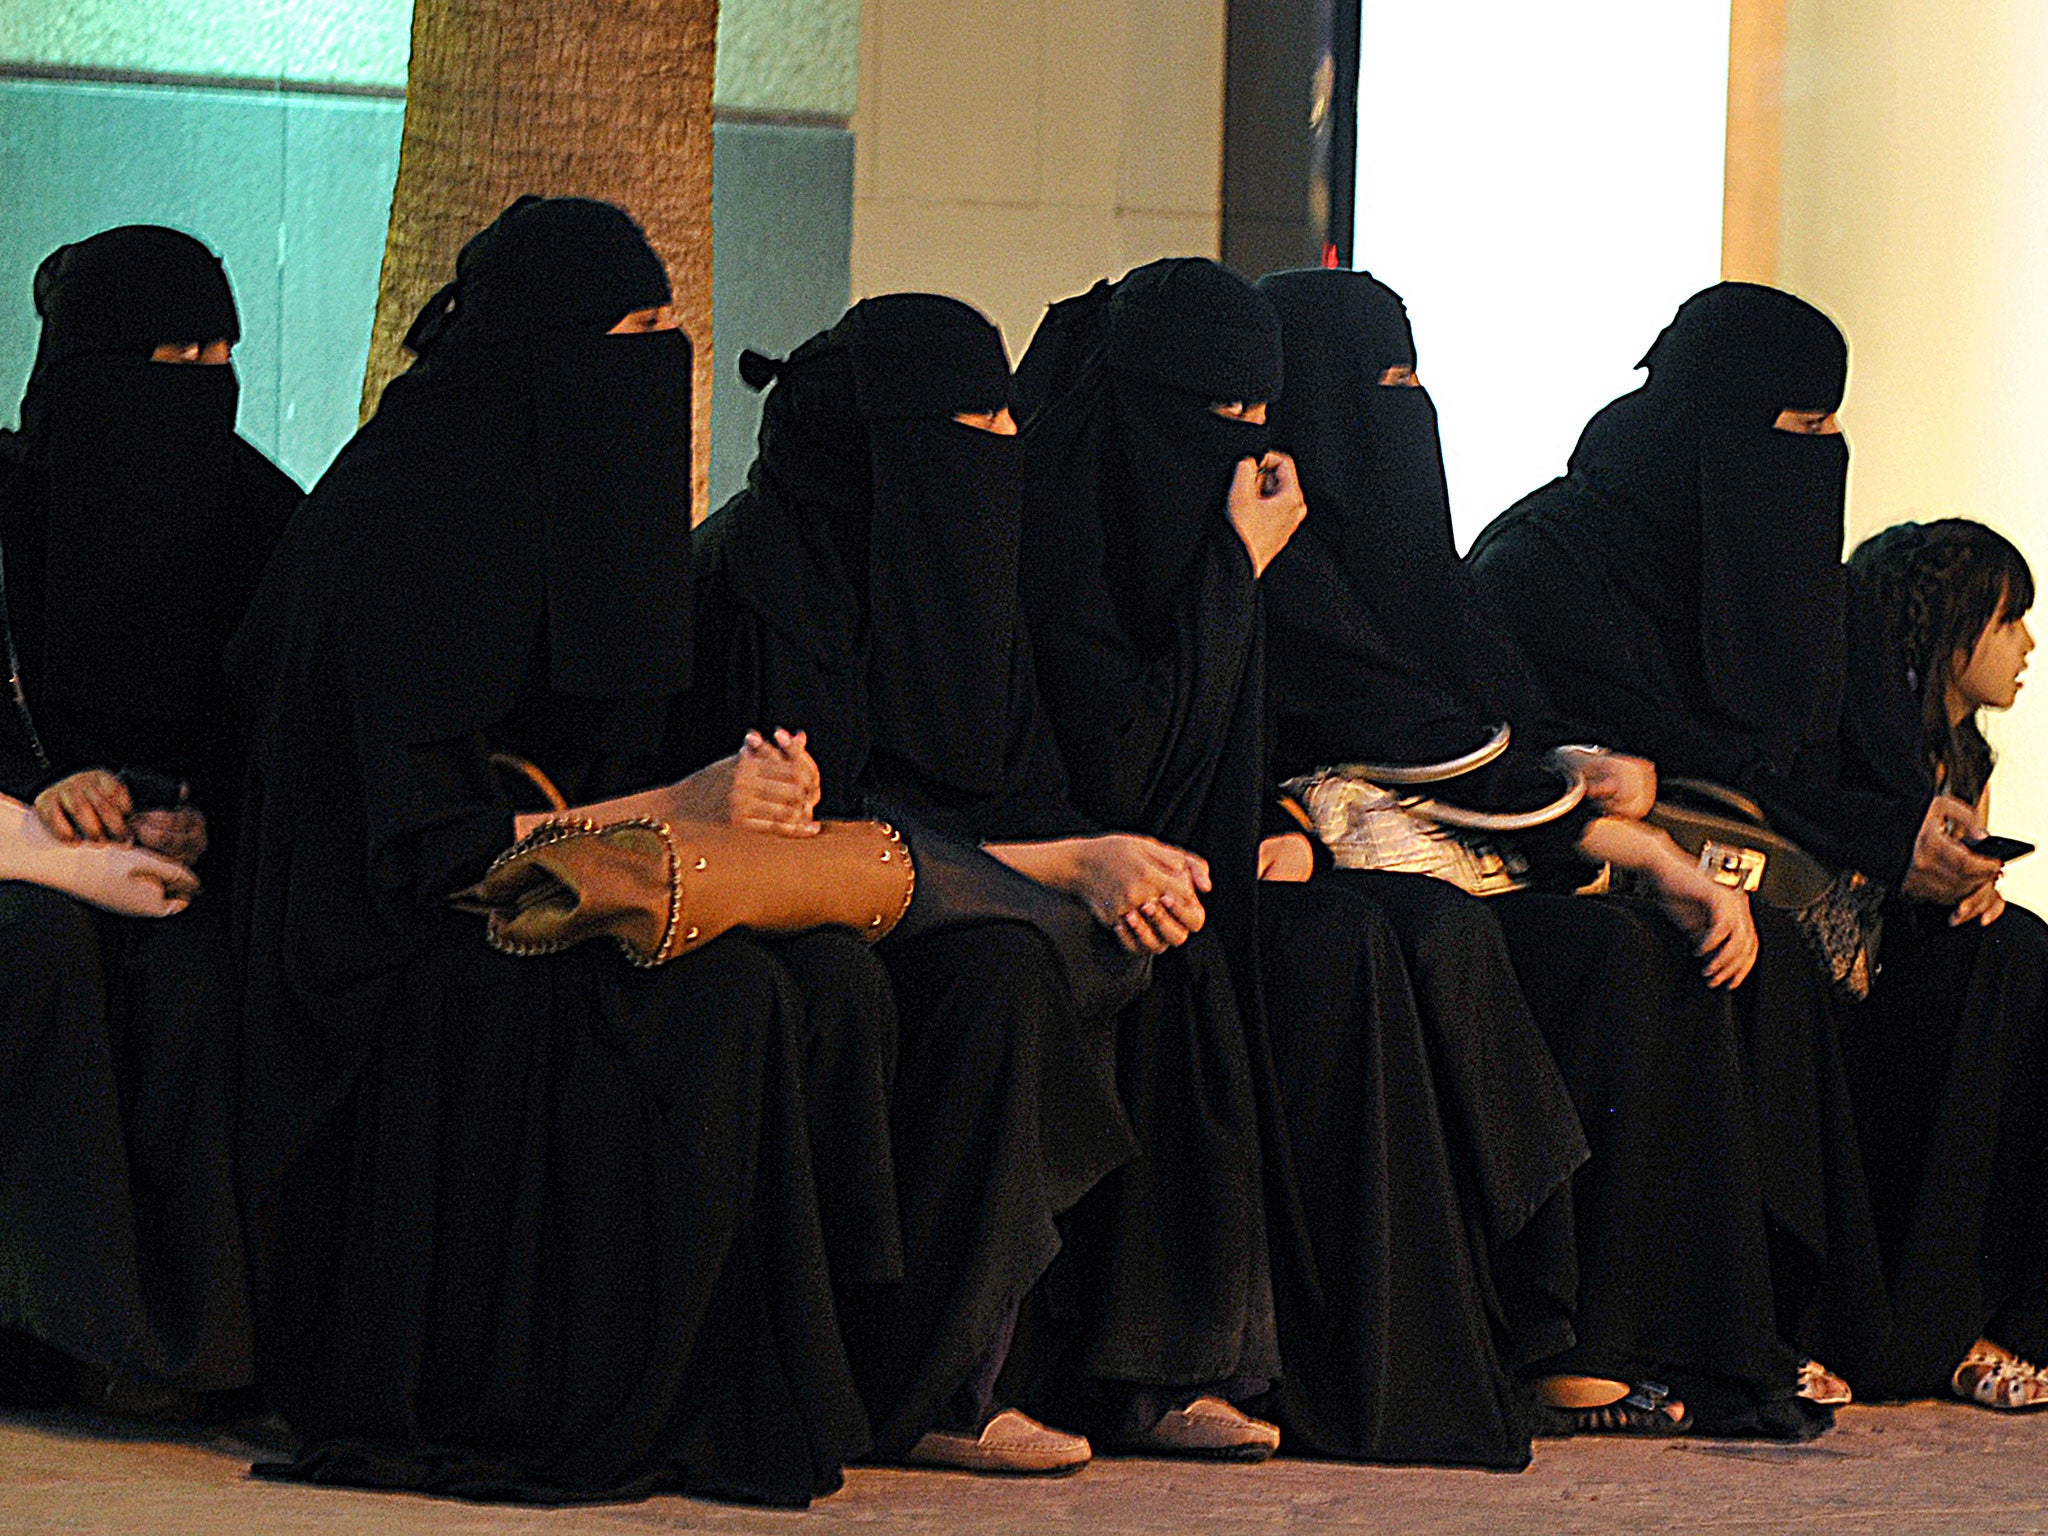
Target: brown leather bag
[{"x": 664, "y": 888}]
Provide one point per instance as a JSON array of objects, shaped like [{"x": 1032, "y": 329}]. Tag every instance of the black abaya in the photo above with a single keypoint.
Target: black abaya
[
  {"x": 133, "y": 526},
  {"x": 863, "y": 589},
  {"x": 1379, "y": 1214},
  {"x": 1378, "y": 638},
  {"x": 1629, "y": 538},
  {"x": 534, "y": 1228}
]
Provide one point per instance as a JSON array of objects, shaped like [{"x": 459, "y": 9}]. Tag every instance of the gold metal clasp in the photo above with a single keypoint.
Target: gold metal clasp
[{"x": 1739, "y": 868}]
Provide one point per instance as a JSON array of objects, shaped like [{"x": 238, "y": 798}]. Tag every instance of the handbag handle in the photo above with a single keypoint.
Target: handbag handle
[
  {"x": 1733, "y": 801},
  {"x": 535, "y": 775}
]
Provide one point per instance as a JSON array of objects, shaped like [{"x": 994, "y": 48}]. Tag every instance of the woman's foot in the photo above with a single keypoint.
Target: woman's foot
[
  {"x": 1818, "y": 1384},
  {"x": 1995, "y": 1377},
  {"x": 1595, "y": 1405},
  {"x": 1207, "y": 1429},
  {"x": 1011, "y": 1442}
]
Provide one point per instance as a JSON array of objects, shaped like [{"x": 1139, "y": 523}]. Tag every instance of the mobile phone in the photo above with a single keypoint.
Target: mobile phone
[
  {"x": 149, "y": 790},
  {"x": 1269, "y": 482},
  {"x": 2003, "y": 849}
]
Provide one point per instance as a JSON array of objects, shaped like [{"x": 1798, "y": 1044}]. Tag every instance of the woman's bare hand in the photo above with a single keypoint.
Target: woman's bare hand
[
  {"x": 178, "y": 833},
  {"x": 1716, "y": 917},
  {"x": 1718, "y": 920},
  {"x": 766, "y": 786},
  {"x": 1145, "y": 891},
  {"x": 1286, "y": 858},
  {"x": 1943, "y": 869},
  {"x": 1265, "y": 522},
  {"x": 1620, "y": 785},
  {"x": 1983, "y": 905},
  {"x": 92, "y": 806}
]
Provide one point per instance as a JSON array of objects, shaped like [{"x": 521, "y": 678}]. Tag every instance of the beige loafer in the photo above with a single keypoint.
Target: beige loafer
[
  {"x": 1209, "y": 1429},
  {"x": 1011, "y": 1442}
]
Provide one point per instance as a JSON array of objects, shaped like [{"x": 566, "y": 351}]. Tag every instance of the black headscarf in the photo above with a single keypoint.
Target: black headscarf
[
  {"x": 878, "y": 537},
  {"x": 1705, "y": 508},
  {"x": 524, "y": 488},
  {"x": 135, "y": 507},
  {"x": 1143, "y": 609},
  {"x": 1116, "y": 391},
  {"x": 1403, "y": 665}
]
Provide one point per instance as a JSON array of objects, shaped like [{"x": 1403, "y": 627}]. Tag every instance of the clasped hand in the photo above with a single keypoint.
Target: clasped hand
[
  {"x": 94, "y": 806},
  {"x": 1144, "y": 891},
  {"x": 766, "y": 786}
]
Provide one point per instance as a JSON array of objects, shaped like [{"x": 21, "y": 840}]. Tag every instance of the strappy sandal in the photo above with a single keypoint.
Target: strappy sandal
[
  {"x": 1641, "y": 1412},
  {"x": 1818, "y": 1384},
  {"x": 1997, "y": 1378}
]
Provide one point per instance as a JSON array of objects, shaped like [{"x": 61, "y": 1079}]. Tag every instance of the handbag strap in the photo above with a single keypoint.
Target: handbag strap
[
  {"x": 14, "y": 683},
  {"x": 535, "y": 775}
]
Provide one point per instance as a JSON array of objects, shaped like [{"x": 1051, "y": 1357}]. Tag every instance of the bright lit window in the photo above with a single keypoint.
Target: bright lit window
[{"x": 1542, "y": 183}]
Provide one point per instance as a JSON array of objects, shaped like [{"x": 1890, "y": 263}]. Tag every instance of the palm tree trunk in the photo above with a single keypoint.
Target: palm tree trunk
[{"x": 598, "y": 98}]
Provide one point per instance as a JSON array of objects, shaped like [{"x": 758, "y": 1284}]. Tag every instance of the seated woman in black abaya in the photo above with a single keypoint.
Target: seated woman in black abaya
[
  {"x": 1382, "y": 656},
  {"x": 1682, "y": 596},
  {"x": 1938, "y": 634},
  {"x": 545, "y": 1227},
  {"x": 133, "y": 526},
  {"x": 1415, "y": 1134},
  {"x": 863, "y": 588}
]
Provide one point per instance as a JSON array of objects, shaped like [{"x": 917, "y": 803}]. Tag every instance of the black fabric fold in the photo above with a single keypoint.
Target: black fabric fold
[
  {"x": 1148, "y": 621},
  {"x": 133, "y": 526},
  {"x": 863, "y": 589},
  {"x": 540, "y": 1228}
]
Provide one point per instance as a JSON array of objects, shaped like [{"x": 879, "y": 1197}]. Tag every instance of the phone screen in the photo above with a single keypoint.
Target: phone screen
[{"x": 2004, "y": 849}]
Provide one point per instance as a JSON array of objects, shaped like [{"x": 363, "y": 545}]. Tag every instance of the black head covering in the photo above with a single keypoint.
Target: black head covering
[
  {"x": 1143, "y": 610},
  {"x": 521, "y": 499},
  {"x": 910, "y": 521},
  {"x": 122, "y": 293},
  {"x": 1707, "y": 508},
  {"x": 136, "y": 540},
  {"x": 1406, "y": 666},
  {"x": 1371, "y": 465},
  {"x": 1116, "y": 391}
]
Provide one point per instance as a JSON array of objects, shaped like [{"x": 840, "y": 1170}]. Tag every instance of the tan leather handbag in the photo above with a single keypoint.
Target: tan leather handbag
[{"x": 663, "y": 888}]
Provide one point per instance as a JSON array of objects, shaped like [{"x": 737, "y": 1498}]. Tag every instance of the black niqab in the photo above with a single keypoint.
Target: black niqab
[
  {"x": 878, "y": 533},
  {"x": 530, "y": 469},
  {"x": 1116, "y": 389},
  {"x": 1707, "y": 506},
  {"x": 143, "y": 538},
  {"x": 1406, "y": 665}
]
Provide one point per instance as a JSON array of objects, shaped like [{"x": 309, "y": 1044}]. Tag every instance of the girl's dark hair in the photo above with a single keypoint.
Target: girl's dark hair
[{"x": 1937, "y": 586}]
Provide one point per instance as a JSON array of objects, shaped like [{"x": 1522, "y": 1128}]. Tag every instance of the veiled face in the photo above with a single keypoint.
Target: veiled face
[
  {"x": 1238, "y": 410},
  {"x": 1808, "y": 423},
  {"x": 660, "y": 317},
  {"x": 1002, "y": 423},
  {"x": 1989, "y": 677},
  {"x": 213, "y": 353},
  {"x": 1400, "y": 377}
]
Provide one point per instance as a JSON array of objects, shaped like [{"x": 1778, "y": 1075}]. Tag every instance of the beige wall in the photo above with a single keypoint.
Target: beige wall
[
  {"x": 1010, "y": 152},
  {"x": 1915, "y": 210}
]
